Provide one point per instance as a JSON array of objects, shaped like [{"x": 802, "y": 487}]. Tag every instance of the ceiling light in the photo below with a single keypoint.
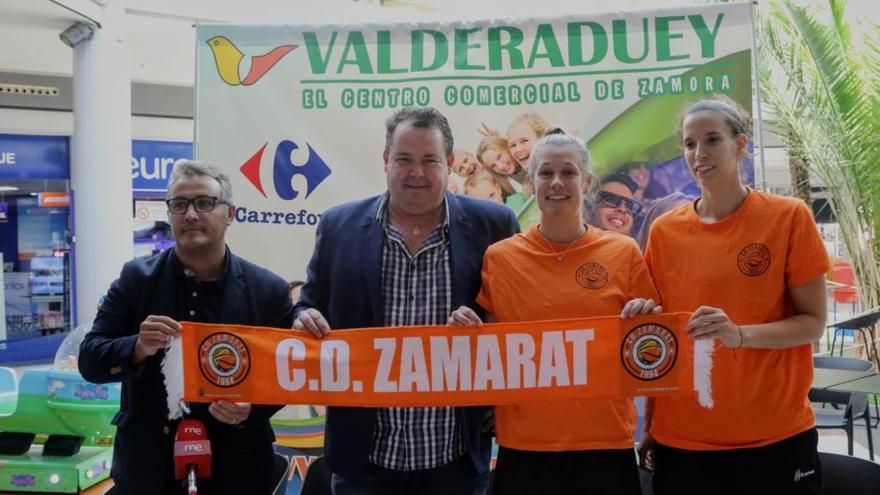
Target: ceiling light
[{"x": 8, "y": 188}]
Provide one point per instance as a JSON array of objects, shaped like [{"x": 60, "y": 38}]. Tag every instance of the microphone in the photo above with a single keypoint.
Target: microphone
[{"x": 192, "y": 453}]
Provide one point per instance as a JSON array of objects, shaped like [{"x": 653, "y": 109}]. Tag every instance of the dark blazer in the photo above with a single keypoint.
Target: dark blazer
[
  {"x": 142, "y": 455},
  {"x": 344, "y": 277}
]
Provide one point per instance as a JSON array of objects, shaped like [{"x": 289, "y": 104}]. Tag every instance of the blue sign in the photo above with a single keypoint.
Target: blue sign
[
  {"x": 34, "y": 157},
  {"x": 152, "y": 162},
  {"x": 48, "y": 157}
]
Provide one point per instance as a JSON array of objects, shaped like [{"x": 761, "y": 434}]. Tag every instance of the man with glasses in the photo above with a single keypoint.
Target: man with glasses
[
  {"x": 199, "y": 280},
  {"x": 616, "y": 208}
]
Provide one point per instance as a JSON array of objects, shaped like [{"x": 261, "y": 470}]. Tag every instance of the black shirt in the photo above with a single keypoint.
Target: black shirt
[{"x": 198, "y": 301}]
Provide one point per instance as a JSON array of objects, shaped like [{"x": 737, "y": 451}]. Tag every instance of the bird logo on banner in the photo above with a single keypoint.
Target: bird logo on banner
[{"x": 228, "y": 57}]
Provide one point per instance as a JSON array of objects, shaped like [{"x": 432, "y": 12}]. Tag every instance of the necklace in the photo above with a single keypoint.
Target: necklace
[
  {"x": 561, "y": 255},
  {"x": 415, "y": 228}
]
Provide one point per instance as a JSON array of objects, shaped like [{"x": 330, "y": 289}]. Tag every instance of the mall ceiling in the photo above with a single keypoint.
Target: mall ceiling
[
  {"x": 161, "y": 37},
  {"x": 160, "y": 33}
]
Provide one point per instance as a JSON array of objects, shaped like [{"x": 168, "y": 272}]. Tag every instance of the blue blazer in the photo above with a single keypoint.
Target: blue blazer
[
  {"x": 344, "y": 277},
  {"x": 142, "y": 451}
]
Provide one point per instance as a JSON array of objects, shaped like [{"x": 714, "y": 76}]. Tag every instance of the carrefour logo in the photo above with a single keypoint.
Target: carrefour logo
[{"x": 315, "y": 171}]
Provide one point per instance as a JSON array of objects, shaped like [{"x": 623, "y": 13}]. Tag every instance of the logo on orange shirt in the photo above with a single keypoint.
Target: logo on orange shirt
[
  {"x": 592, "y": 276},
  {"x": 224, "y": 359},
  {"x": 649, "y": 351},
  {"x": 754, "y": 259}
]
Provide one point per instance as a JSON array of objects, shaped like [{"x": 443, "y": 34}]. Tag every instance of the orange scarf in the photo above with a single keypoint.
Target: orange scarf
[{"x": 501, "y": 363}]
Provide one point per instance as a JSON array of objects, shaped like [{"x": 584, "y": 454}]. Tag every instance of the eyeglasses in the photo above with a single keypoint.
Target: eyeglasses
[
  {"x": 202, "y": 204},
  {"x": 612, "y": 200}
]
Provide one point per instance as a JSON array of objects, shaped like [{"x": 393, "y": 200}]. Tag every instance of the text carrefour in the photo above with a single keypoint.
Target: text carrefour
[{"x": 244, "y": 214}]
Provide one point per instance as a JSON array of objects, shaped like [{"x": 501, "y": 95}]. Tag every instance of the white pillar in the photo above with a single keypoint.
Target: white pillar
[{"x": 100, "y": 159}]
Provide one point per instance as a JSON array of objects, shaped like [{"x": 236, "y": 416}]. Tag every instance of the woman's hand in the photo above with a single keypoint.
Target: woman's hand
[
  {"x": 464, "y": 317},
  {"x": 639, "y": 306},
  {"x": 713, "y": 323}
]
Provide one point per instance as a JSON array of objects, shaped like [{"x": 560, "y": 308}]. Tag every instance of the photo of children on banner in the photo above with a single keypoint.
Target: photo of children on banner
[
  {"x": 522, "y": 134},
  {"x": 465, "y": 163},
  {"x": 493, "y": 154},
  {"x": 486, "y": 184},
  {"x": 567, "y": 446},
  {"x": 508, "y": 154}
]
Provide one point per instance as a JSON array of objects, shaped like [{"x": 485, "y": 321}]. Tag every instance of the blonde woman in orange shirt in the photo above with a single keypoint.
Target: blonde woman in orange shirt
[
  {"x": 750, "y": 266},
  {"x": 563, "y": 268}
]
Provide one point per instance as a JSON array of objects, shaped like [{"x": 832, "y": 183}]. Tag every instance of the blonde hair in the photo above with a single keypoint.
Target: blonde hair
[
  {"x": 555, "y": 136},
  {"x": 496, "y": 143},
  {"x": 486, "y": 175},
  {"x": 535, "y": 121}
]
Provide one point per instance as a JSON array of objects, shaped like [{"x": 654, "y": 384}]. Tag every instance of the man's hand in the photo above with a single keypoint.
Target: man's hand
[
  {"x": 312, "y": 320},
  {"x": 464, "y": 317},
  {"x": 231, "y": 413},
  {"x": 155, "y": 333}
]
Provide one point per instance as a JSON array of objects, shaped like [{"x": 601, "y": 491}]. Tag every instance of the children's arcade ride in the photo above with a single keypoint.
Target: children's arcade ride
[{"x": 55, "y": 431}]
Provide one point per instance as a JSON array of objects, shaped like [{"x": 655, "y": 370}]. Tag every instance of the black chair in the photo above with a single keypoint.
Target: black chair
[
  {"x": 862, "y": 323},
  {"x": 847, "y": 407},
  {"x": 280, "y": 468},
  {"x": 317, "y": 480},
  {"x": 845, "y": 475},
  {"x": 831, "y": 362}
]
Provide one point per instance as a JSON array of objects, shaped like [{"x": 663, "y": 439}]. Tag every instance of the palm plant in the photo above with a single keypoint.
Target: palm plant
[{"x": 820, "y": 84}]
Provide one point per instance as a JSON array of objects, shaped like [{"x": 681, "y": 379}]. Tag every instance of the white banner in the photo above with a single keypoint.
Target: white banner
[{"x": 296, "y": 113}]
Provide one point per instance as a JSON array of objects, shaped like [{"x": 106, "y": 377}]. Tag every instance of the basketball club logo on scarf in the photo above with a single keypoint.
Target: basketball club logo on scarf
[{"x": 649, "y": 351}]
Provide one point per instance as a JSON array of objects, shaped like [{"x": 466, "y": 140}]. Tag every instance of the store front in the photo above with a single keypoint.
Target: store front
[
  {"x": 36, "y": 232},
  {"x": 151, "y": 165},
  {"x": 35, "y": 226}
]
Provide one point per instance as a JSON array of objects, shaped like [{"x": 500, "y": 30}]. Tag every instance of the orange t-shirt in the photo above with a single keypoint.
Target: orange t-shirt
[
  {"x": 743, "y": 264},
  {"x": 523, "y": 280}
]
